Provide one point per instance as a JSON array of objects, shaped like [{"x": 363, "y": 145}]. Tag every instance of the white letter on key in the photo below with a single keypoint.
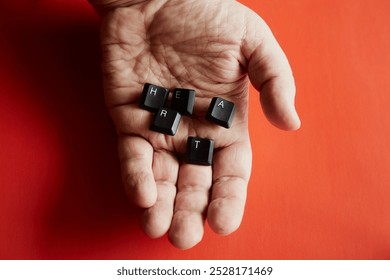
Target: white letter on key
[
  {"x": 196, "y": 143},
  {"x": 220, "y": 104},
  {"x": 153, "y": 91},
  {"x": 164, "y": 112}
]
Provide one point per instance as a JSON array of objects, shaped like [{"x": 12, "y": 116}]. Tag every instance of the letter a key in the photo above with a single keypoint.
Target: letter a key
[{"x": 221, "y": 112}]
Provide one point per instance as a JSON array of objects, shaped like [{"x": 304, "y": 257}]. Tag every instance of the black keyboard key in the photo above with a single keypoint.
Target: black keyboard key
[
  {"x": 183, "y": 100},
  {"x": 153, "y": 97},
  {"x": 200, "y": 151},
  {"x": 221, "y": 112},
  {"x": 166, "y": 121}
]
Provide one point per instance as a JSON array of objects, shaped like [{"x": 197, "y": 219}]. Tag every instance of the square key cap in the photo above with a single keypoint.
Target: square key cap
[
  {"x": 166, "y": 121},
  {"x": 221, "y": 112},
  {"x": 183, "y": 100},
  {"x": 153, "y": 97},
  {"x": 200, "y": 151}
]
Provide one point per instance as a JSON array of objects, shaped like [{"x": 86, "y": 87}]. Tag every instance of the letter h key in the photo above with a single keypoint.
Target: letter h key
[{"x": 153, "y": 97}]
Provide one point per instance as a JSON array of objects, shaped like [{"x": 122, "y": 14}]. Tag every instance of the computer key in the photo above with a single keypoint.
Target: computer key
[
  {"x": 166, "y": 121},
  {"x": 183, "y": 100},
  {"x": 153, "y": 97},
  {"x": 200, "y": 151},
  {"x": 221, "y": 112}
]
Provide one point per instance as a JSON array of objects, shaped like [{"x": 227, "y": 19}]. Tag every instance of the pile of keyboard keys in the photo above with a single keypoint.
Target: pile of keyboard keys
[{"x": 166, "y": 120}]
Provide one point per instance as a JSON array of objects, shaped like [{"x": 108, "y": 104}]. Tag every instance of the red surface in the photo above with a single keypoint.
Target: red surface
[{"x": 320, "y": 193}]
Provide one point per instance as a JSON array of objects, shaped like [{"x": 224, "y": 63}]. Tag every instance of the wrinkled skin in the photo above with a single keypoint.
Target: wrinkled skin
[{"x": 215, "y": 47}]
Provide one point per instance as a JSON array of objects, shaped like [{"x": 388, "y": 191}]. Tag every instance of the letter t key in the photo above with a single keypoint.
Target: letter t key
[{"x": 200, "y": 151}]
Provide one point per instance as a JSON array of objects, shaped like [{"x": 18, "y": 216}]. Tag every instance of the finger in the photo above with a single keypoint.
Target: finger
[
  {"x": 157, "y": 219},
  {"x": 270, "y": 73},
  {"x": 232, "y": 167},
  {"x": 136, "y": 155},
  {"x": 190, "y": 205}
]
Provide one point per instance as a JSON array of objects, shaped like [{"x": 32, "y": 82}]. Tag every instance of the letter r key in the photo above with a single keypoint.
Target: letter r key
[{"x": 166, "y": 121}]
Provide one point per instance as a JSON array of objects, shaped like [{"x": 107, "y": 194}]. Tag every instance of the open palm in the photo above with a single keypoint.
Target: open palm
[{"x": 214, "y": 47}]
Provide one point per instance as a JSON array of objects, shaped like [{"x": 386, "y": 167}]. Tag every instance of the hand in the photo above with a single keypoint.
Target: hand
[{"x": 215, "y": 47}]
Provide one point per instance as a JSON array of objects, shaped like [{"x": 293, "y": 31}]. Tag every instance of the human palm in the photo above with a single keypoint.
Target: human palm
[{"x": 214, "y": 47}]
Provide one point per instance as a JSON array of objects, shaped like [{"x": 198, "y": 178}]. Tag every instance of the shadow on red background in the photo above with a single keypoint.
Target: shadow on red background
[{"x": 69, "y": 187}]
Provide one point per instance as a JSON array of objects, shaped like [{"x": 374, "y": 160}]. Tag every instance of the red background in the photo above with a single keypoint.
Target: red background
[{"x": 320, "y": 193}]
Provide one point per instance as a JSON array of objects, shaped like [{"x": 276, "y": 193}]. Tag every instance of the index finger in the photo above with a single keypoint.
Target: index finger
[{"x": 231, "y": 172}]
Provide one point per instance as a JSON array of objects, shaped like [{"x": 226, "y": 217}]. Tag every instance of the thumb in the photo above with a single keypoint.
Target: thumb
[{"x": 270, "y": 73}]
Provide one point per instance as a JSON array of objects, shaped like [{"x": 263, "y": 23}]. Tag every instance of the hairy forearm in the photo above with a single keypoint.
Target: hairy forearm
[{"x": 104, "y": 6}]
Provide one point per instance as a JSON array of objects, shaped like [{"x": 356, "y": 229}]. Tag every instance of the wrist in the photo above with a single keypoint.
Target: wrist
[{"x": 104, "y": 6}]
